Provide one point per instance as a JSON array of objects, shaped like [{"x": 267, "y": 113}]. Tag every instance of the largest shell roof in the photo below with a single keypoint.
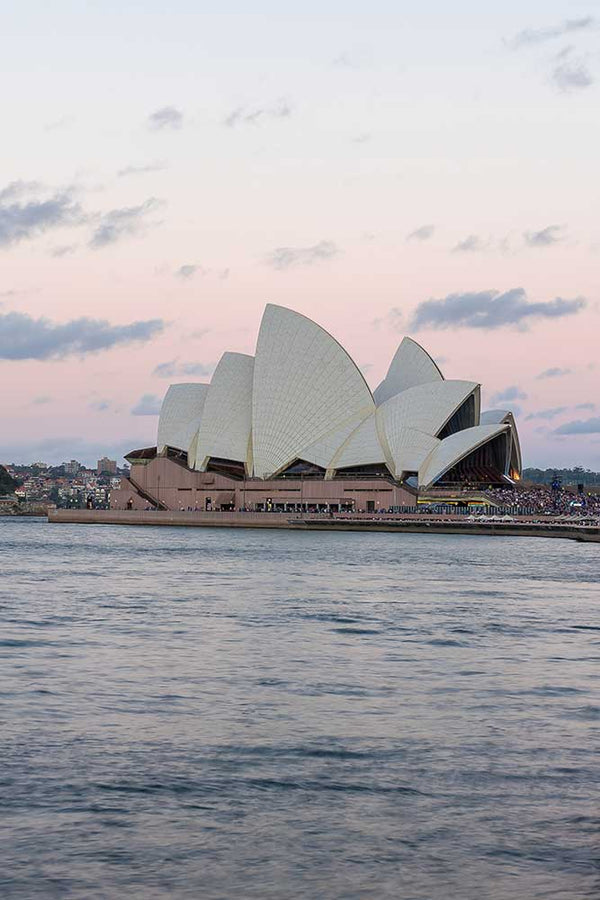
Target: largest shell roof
[{"x": 302, "y": 397}]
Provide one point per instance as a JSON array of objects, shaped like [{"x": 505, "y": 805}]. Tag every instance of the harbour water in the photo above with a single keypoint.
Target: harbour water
[{"x": 225, "y": 713}]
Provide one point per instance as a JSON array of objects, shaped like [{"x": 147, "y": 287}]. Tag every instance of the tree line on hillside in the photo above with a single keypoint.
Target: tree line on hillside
[
  {"x": 7, "y": 482},
  {"x": 576, "y": 475}
]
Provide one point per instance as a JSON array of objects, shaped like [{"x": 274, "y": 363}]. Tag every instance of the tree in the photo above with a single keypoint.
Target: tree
[{"x": 7, "y": 482}]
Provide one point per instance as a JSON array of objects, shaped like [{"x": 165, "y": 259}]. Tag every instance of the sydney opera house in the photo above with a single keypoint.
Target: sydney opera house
[{"x": 296, "y": 427}]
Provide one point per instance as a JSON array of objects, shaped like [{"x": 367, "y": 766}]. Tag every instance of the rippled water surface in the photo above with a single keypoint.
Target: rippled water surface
[{"x": 195, "y": 713}]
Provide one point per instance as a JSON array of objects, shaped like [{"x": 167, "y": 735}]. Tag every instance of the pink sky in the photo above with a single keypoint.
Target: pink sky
[{"x": 139, "y": 143}]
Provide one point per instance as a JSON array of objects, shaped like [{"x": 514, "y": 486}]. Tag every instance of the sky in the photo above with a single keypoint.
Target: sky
[{"x": 386, "y": 169}]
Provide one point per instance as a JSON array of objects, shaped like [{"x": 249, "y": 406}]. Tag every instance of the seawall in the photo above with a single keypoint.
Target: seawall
[{"x": 418, "y": 524}]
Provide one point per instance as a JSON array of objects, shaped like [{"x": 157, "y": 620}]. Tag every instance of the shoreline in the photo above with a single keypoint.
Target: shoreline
[{"x": 418, "y": 524}]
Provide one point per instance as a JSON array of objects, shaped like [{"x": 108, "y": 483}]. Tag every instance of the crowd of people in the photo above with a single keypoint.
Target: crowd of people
[{"x": 543, "y": 499}]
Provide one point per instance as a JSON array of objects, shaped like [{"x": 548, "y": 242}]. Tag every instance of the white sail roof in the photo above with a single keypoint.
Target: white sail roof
[
  {"x": 227, "y": 417},
  {"x": 452, "y": 449},
  {"x": 494, "y": 416},
  {"x": 362, "y": 448},
  {"x": 322, "y": 451},
  {"x": 303, "y": 398},
  {"x": 505, "y": 416},
  {"x": 305, "y": 386},
  {"x": 425, "y": 407},
  {"x": 411, "y": 365},
  {"x": 409, "y": 448},
  {"x": 180, "y": 415}
]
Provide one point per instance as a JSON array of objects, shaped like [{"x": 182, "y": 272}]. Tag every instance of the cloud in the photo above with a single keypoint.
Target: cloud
[
  {"x": 392, "y": 320},
  {"x": 546, "y": 414},
  {"x": 16, "y": 190},
  {"x": 25, "y": 212},
  {"x": 552, "y": 234},
  {"x": 471, "y": 244},
  {"x": 421, "y": 234},
  {"x": 508, "y": 394},
  {"x": 580, "y": 426},
  {"x": 286, "y": 257},
  {"x": 164, "y": 118},
  {"x": 585, "y": 406},
  {"x": 99, "y": 405},
  {"x": 242, "y": 115},
  {"x": 357, "y": 58},
  {"x": 572, "y": 76},
  {"x": 22, "y": 337},
  {"x": 63, "y": 250},
  {"x": 59, "y": 124},
  {"x": 490, "y": 309},
  {"x": 147, "y": 405},
  {"x": 14, "y": 293},
  {"x": 532, "y": 36},
  {"x": 56, "y": 450},
  {"x": 42, "y": 400},
  {"x": 173, "y": 369},
  {"x": 187, "y": 271},
  {"x": 554, "y": 373},
  {"x": 124, "y": 222},
  {"x": 143, "y": 169}
]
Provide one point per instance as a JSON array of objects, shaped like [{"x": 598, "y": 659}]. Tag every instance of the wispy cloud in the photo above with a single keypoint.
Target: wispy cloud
[
  {"x": 59, "y": 124},
  {"x": 546, "y": 414},
  {"x": 551, "y": 234},
  {"x": 22, "y": 337},
  {"x": 124, "y": 222},
  {"x": 509, "y": 394},
  {"x": 188, "y": 271},
  {"x": 142, "y": 169},
  {"x": 580, "y": 426},
  {"x": 63, "y": 250},
  {"x": 253, "y": 115},
  {"x": 352, "y": 59},
  {"x": 590, "y": 406},
  {"x": 490, "y": 309},
  {"x": 165, "y": 118},
  {"x": 56, "y": 450},
  {"x": 99, "y": 405},
  {"x": 147, "y": 405},
  {"x": 175, "y": 369},
  {"x": 393, "y": 320},
  {"x": 421, "y": 234},
  {"x": 28, "y": 210},
  {"x": 572, "y": 75},
  {"x": 12, "y": 292},
  {"x": 554, "y": 372},
  {"x": 471, "y": 244},
  {"x": 287, "y": 257},
  {"x": 532, "y": 36}
]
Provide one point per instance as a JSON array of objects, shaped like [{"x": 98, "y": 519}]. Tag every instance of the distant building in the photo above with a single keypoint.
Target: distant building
[
  {"x": 72, "y": 467},
  {"x": 39, "y": 465},
  {"x": 106, "y": 465}
]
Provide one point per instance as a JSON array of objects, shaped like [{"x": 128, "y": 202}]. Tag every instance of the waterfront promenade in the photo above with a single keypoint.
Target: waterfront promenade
[{"x": 524, "y": 526}]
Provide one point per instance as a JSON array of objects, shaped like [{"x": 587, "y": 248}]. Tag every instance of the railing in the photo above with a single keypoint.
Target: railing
[{"x": 146, "y": 495}]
